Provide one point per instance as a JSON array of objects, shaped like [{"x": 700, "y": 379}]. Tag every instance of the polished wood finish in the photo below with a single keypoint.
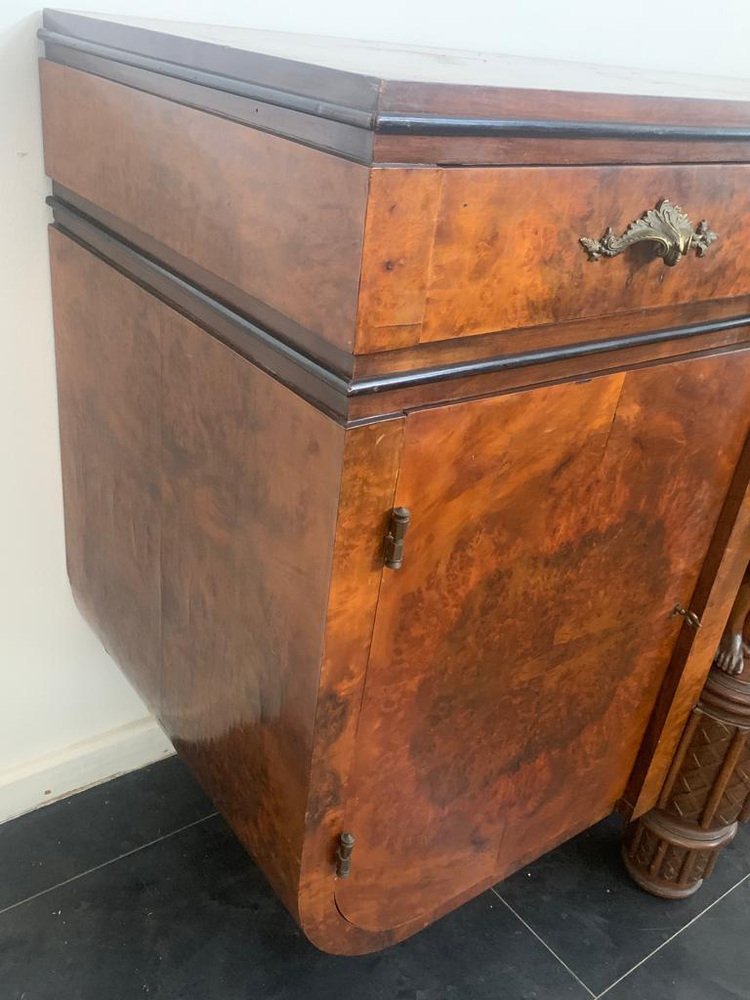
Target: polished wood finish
[
  {"x": 245, "y": 564},
  {"x": 189, "y": 548},
  {"x": 310, "y": 379},
  {"x": 109, "y": 236},
  {"x": 268, "y": 339},
  {"x": 584, "y": 335},
  {"x": 251, "y": 736},
  {"x": 76, "y": 214},
  {"x": 712, "y": 601},
  {"x": 503, "y": 362},
  {"x": 511, "y": 151},
  {"x": 506, "y": 249},
  {"x": 585, "y": 508},
  {"x": 364, "y": 146},
  {"x": 566, "y": 92},
  {"x": 370, "y": 469},
  {"x": 399, "y": 233},
  {"x": 332, "y": 136},
  {"x": 227, "y": 196},
  {"x": 401, "y": 256},
  {"x": 524, "y": 372},
  {"x": 108, "y": 398},
  {"x": 399, "y": 104}
]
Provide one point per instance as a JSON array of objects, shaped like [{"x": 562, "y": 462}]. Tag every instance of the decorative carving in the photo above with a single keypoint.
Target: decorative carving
[
  {"x": 667, "y": 226},
  {"x": 673, "y": 848}
]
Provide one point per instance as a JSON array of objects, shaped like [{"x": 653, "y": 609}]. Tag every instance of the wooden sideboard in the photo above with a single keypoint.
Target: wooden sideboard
[{"x": 404, "y": 399}]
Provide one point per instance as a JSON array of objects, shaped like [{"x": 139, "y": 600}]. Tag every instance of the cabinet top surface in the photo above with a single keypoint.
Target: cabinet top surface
[{"x": 386, "y": 77}]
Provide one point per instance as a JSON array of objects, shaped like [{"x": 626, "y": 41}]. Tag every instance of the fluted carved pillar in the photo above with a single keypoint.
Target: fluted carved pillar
[{"x": 671, "y": 849}]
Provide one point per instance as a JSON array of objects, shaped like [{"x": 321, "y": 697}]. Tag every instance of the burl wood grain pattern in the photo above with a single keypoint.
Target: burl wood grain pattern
[
  {"x": 278, "y": 220},
  {"x": 249, "y": 490},
  {"x": 517, "y": 654},
  {"x": 200, "y": 501},
  {"x": 399, "y": 233},
  {"x": 505, "y": 251},
  {"x": 371, "y": 461},
  {"x": 712, "y": 600}
]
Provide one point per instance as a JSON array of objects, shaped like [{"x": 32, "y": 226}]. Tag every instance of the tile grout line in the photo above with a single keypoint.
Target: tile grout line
[
  {"x": 104, "y": 864},
  {"x": 673, "y": 936},
  {"x": 543, "y": 942}
]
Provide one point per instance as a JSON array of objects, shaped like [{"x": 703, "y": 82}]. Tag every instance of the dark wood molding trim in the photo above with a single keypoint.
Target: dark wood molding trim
[
  {"x": 428, "y": 376},
  {"x": 439, "y": 125},
  {"x": 216, "y": 81},
  {"x": 397, "y": 124},
  {"x": 327, "y": 389},
  {"x": 324, "y": 388},
  {"x": 333, "y": 110},
  {"x": 339, "y": 139},
  {"x": 276, "y": 324},
  {"x": 332, "y": 89}
]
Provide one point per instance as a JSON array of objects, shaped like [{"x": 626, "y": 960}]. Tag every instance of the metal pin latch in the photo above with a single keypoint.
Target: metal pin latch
[
  {"x": 344, "y": 855},
  {"x": 394, "y": 540},
  {"x": 690, "y": 617}
]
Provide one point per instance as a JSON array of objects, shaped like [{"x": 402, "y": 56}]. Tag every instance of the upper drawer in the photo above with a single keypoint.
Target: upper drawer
[
  {"x": 338, "y": 256},
  {"x": 480, "y": 249}
]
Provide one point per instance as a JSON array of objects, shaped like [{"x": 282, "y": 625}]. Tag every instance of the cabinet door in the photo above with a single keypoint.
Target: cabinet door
[{"x": 518, "y": 652}]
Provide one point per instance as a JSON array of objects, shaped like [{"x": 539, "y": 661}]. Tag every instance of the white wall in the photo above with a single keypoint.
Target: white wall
[{"x": 66, "y": 716}]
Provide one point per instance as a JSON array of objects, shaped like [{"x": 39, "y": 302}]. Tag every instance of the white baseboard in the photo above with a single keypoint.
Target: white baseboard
[{"x": 38, "y": 782}]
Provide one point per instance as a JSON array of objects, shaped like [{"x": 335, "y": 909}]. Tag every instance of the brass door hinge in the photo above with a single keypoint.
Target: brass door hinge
[
  {"x": 394, "y": 540},
  {"x": 344, "y": 855}
]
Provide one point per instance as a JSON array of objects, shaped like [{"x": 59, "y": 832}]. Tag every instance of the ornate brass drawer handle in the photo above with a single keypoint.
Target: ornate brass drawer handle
[{"x": 666, "y": 225}]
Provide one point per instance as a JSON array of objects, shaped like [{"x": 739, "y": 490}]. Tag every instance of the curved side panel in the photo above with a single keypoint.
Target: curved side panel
[
  {"x": 371, "y": 458},
  {"x": 107, "y": 346},
  {"x": 201, "y": 500}
]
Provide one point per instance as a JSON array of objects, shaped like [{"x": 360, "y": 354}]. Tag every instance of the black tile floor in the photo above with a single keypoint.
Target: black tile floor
[{"x": 136, "y": 889}]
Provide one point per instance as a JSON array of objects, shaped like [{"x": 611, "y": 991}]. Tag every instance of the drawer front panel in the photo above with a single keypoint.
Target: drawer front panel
[
  {"x": 505, "y": 250},
  {"x": 276, "y": 220},
  {"x": 518, "y": 653}
]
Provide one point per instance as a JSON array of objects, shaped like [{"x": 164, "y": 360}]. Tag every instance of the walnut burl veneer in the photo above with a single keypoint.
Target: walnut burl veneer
[{"x": 404, "y": 405}]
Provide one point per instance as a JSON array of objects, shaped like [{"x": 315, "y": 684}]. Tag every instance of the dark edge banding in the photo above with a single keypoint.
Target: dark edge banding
[
  {"x": 428, "y": 376},
  {"x": 349, "y": 88},
  {"x": 355, "y": 116},
  {"x": 531, "y": 128},
  {"x": 336, "y": 138},
  {"x": 324, "y": 388},
  {"x": 230, "y": 85},
  {"x": 353, "y": 142},
  {"x": 277, "y": 324}
]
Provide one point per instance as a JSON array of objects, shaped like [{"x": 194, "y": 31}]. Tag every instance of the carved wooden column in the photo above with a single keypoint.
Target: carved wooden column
[{"x": 673, "y": 848}]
